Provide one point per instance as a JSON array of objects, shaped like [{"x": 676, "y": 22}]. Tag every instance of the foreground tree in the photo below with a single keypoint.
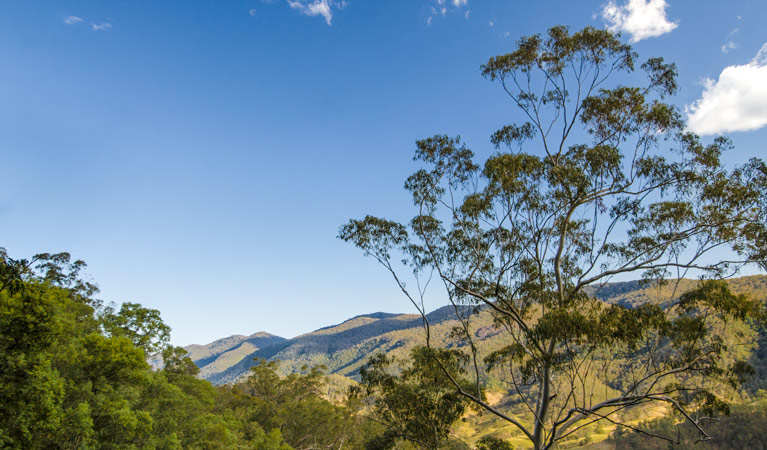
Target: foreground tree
[
  {"x": 419, "y": 405},
  {"x": 294, "y": 405},
  {"x": 601, "y": 180}
]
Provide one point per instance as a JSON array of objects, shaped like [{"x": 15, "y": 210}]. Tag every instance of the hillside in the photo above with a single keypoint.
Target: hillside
[
  {"x": 634, "y": 293},
  {"x": 343, "y": 348},
  {"x": 224, "y": 353}
]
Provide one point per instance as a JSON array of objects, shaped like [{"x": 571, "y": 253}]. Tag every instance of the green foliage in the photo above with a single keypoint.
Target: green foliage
[
  {"x": 142, "y": 326},
  {"x": 72, "y": 376},
  {"x": 177, "y": 362},
  {"x": 295, "y": 405},
  {"x": 31, "y": 389},
  {"x": 420, "y": 404},
  {"x": 493, "y": 443}
]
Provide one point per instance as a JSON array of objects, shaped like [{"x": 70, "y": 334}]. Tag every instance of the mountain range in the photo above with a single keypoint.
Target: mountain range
[{"x": 343, "y": 348}]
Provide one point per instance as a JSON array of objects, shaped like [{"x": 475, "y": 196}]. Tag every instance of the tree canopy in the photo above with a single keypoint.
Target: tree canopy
[
  {"x": 601, "y": 181},
  {"x": 74, "y": 375},
  {"x": 419, "y": 405}
]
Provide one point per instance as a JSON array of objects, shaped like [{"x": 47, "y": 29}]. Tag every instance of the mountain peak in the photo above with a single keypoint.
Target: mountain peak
[{"x": 263, "y": 334}]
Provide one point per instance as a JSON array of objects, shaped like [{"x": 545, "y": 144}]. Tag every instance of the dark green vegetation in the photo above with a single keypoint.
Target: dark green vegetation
[
  {"x": 74, "y": 375},
  {"x": 601, "y": 179},
  {"x": 422, "y": 382}
]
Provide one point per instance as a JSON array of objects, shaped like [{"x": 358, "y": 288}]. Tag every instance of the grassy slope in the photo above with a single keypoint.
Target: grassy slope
[{"x": 634, "y": 293}]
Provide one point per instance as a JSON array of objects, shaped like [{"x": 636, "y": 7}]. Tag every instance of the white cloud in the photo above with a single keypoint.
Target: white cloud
[
  {"x": 459, "y": 3},
  {"x": 730, "y": 44},
  {"x": 639, "y": 18},
  {"x": 737, "y": 101},
  {"x": 72, "y": 20},
  {"x": 103, "y": 26},
  {"x": 313, "y": 8},
  {"x": 252, "y": 12}
]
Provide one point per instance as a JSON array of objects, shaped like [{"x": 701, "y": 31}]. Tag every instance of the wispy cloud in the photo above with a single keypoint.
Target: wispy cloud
[
  {"x": 252, "y": 12},
  {"x": 730, "y": 44},
  {"x": 440, "y": 8},
  {"x": 72, "y": 20},
  {"x": 639, "y": 18},
  {"x": 103, "y": 26},
  {"x": 313, "y": 8},
  {"x": 737, "y": 101}
]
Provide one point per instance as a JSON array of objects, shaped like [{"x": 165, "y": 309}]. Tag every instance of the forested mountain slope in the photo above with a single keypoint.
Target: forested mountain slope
[{"x": 343, "y": 348}]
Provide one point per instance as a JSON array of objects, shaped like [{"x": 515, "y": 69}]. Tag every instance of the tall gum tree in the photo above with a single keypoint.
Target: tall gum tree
[{"x": 602, "y": 181}]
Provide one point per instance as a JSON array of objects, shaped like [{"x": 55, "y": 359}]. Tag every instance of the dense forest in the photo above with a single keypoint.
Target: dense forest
[{"x": 74, "y": 375}]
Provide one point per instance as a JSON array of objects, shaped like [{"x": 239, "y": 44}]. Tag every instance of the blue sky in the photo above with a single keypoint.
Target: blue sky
[{"x": 201, "y": 155}]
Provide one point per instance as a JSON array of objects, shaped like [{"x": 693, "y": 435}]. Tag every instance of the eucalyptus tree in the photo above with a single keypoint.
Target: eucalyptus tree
[{"x": 600, "y": 181}]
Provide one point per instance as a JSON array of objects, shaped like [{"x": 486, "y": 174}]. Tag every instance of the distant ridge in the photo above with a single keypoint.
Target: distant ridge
[
  {"x": 376, "y": 315},
  {"x": 341, "y": 348},
  {"x": 223, "y": 353},
  {"x": 344, "y": 347}
]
